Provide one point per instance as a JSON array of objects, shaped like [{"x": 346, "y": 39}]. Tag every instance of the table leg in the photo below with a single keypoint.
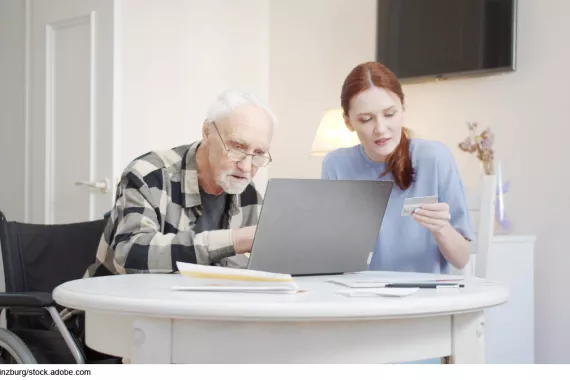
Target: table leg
[
  {"x": 467, "y": 339},
  {"x": 151, "y": 341}
]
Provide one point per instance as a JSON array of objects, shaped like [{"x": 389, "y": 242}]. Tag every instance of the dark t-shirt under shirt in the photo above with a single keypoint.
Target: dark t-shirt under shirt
[{"x": 214, "y": 208}]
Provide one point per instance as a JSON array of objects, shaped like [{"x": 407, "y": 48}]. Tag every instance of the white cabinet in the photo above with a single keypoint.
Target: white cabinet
[{"x": 510, "y": 327}]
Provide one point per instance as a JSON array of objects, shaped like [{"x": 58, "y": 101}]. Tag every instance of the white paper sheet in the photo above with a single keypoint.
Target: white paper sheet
[
  {"x": 386, "y": 292},
  {"x": 237, "y": 289},
  {"x": 383, "y": 281}
]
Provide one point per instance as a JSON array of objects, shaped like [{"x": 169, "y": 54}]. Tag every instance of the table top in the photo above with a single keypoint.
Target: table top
[{"x": 151, "y": 295}]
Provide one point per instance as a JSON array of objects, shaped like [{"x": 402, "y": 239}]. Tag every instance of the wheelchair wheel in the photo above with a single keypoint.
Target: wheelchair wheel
[{"x": 17, "y": 349}]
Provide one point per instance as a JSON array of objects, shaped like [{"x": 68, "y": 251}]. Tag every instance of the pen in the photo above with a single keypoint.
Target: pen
[{"x": 424, "y": 285}]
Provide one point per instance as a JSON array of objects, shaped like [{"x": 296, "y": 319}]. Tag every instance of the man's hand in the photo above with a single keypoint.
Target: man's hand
[{"x": 243, "y": 239}]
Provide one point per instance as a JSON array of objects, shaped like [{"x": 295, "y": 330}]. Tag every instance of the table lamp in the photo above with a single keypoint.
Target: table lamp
[{"x": 332, "y": 134}]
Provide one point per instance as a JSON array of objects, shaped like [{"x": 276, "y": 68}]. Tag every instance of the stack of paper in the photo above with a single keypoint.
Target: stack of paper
[{"x": 222, "y": 279}]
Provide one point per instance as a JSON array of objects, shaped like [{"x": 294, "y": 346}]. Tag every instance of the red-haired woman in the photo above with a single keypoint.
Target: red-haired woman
[{"x": 437, "y": 234}]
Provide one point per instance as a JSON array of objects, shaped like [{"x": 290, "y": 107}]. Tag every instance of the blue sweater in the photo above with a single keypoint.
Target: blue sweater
[{"x": 403, "y": 244}]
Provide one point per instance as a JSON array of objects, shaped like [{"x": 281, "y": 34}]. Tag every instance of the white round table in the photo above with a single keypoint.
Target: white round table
[{"x": 139, "y": 317}]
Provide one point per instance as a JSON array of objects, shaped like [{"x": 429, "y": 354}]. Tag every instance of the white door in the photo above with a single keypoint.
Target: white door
[{"x": 71, "y": 95}]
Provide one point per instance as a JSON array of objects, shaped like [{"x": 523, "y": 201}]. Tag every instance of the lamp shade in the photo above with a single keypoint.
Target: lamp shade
[{"x": 332, "y": 134}]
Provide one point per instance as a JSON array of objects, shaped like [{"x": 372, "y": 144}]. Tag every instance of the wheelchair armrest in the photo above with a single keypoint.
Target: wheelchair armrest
[{"x": 27, "y": 299}]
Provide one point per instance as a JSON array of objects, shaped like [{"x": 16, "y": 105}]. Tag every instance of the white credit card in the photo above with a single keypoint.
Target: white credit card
[{"x": 410, "y": 204}]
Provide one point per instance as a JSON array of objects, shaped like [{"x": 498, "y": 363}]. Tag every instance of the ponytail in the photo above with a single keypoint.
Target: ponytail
[{"x": 399, "y": 163}]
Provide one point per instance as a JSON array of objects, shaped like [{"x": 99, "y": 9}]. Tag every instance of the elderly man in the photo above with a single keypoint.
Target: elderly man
[{"x": 193, "y": 203}]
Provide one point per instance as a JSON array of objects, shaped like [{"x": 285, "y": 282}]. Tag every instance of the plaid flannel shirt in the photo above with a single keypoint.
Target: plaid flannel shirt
[{"x": 157, "y": 205}]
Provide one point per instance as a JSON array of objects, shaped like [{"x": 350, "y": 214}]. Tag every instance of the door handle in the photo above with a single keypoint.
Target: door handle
[{"x": 101, "y": 185}]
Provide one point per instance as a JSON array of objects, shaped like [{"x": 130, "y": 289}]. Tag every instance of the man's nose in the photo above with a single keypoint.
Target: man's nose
[{"x": 246, "y": 164}]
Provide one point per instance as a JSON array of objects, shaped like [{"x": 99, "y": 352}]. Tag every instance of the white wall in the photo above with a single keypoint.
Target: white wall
[
  {"x": 315, "y": 44},
  {"x": 12, "y": 108},
  {"x": 530, "y": 112},
  {"x": 177, "y": 56}
]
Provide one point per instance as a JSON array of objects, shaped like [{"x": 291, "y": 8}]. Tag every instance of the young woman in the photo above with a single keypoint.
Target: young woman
[{"x": 436, "y": 234}]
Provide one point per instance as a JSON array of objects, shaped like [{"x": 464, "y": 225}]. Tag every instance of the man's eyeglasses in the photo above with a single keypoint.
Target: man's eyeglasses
[{"x": 239, "y": 155}]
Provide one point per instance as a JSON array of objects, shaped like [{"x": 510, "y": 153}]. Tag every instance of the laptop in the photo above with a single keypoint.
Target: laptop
[{"x": 318, "y": 227}]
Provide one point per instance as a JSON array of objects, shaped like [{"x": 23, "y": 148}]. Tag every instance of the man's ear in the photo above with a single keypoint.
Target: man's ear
[
  {"x": 205, "y": 131},
  {"x": 347, "y": 123}
]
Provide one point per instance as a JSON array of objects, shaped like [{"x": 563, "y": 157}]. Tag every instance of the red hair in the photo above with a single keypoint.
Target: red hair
[{"x": 374, "y": 74}]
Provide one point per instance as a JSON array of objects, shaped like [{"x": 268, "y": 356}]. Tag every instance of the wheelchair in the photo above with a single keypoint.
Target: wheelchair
[{"x": 37, "y": 258}]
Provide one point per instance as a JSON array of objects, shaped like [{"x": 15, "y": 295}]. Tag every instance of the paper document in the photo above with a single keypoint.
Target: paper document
[
  {"x": 386, "y": 292},
  {"x": 234, "y": 274},
  {"x": 239, "y": 289},
  {"x": 384, "y": 281},
  {"x": 207, "y": 278}
]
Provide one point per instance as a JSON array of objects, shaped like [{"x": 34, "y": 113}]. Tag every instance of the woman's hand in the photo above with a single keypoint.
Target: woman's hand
[
  {"x": 435, "y": 217},
  {"x": 453, "y": 246}
]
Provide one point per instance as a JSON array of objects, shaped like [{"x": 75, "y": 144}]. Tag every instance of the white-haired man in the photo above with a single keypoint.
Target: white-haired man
[{"x": 194, "y": 203}]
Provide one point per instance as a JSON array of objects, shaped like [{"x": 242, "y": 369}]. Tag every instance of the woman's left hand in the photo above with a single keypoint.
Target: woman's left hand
[{"x": 435, "y": 216}]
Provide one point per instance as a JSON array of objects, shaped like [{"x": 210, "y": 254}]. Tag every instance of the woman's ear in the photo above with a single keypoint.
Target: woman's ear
[{"x": 347, "y": 123}]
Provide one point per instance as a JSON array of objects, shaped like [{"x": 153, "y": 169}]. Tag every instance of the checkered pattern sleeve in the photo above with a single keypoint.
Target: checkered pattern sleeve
[{"x": 143, "y": 241}]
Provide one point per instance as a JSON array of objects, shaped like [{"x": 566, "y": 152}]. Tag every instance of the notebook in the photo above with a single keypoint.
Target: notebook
[{"x": 205, "y": 278}]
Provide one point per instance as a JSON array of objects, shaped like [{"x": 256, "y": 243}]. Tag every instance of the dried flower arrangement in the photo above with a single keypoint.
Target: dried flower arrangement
[{"x": 481, "y": 145}]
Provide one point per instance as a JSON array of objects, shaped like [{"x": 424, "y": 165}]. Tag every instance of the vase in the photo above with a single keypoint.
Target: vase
[
  {"x": 488, "y": 167},
  {"x": 502, "y": 223}
]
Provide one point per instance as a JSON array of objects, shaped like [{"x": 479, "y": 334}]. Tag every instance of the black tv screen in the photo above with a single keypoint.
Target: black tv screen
[{"x": 440, "y": 38}]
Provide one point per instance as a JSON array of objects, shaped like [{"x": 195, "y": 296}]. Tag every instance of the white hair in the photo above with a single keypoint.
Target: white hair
[{"x": 229, "y": 100}]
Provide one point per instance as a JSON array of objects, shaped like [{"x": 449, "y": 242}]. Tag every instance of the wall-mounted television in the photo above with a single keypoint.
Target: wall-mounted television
[{"x": 422, "y": 39}]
